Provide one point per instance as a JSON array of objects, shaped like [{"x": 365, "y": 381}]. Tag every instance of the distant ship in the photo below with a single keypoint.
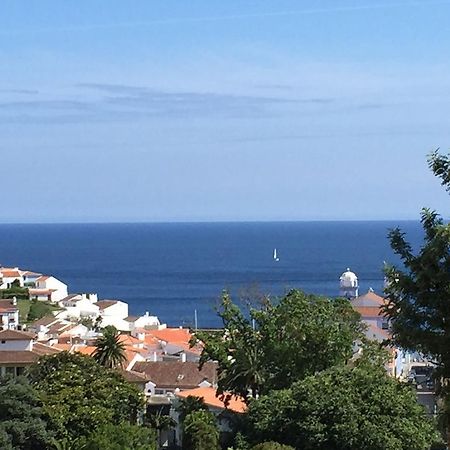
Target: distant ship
[{"x": 275, "y": 257}]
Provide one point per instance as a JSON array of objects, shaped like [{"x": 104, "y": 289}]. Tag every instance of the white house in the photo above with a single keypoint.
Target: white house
[
  {"x": 9, "y": 314},
  {"x": 80, "y": 305},
  {"x": 10, "y": 275},
  {"x": 48, "y": 288},
  {"x": 29, "y": 278},
  {"x": 19, "y": 350}
]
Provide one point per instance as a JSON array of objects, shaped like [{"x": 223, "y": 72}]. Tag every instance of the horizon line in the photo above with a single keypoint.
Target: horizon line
[{"x": 181, "y": 222}]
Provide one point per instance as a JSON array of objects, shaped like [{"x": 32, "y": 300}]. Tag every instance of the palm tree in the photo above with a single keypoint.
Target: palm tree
[{"x": 110, "y": 351}]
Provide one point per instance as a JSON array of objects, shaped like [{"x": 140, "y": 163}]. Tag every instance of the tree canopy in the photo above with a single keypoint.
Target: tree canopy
[
  {"x": 279, "y": 343},
  {"x": 419, "y": 289},
  {"x": 23, "y": 422},
  {"x": 343, "y": 407},
  {"x": 122, "y": 436},
  {"x": 200, "y": 431},
  {"x": 79, "y": 395}
]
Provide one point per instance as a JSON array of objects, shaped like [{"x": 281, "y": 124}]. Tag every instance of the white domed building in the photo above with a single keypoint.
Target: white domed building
[{"x": 348, "y": 285}]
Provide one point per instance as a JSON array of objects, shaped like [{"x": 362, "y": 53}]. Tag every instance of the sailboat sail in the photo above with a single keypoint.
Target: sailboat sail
[{"x": 275, "y": 256}]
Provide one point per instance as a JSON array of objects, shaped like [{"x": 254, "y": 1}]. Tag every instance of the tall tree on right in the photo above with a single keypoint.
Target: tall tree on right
[{"x": 419, "y": 290}]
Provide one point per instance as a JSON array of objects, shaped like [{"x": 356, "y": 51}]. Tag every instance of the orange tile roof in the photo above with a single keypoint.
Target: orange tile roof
[
  {"x": 369, "y": 311},
  {"x": 86, "y": 350},
  {"x": 235, "y": 404},
  {"x": 172, "y": 334},
  {"x": 126, "y": 339},
  {"x": 10, "y": 273}
]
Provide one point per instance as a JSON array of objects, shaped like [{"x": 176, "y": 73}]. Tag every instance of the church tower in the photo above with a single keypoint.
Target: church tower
[{"x": 348, "y": 285}]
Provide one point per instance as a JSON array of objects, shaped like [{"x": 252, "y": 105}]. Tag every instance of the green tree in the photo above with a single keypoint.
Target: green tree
[
  {"x": 190, "y": 404},
  {"x": 122, "y": 436},
  {"x": 23, "y": 423},
  {"x": 279, "y": 343},
  {"x": 418, "y": 290},
  {"x": 110, "y": 351},
  {"x": 159, "y": 422},
  {"x": 272, "y": 446},
  {"x": 344, "y": 407},
  {"x": 80, "y": 395},
  {"x": 200, "y": 431}
]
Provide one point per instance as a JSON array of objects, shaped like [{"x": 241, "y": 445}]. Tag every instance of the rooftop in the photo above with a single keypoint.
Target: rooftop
[
  {"x": 177, "y": 374},
  {"x": 209, "y": 395}
]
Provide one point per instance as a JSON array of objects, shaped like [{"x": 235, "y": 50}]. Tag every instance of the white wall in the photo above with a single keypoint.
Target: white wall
[{"x": 16, "y": 345}]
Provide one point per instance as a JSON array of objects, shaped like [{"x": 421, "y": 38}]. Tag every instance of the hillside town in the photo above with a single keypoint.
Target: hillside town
[{"x": 162, "y": 361}]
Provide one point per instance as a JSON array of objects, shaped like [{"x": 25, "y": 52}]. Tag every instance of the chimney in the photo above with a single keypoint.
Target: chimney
[
  {"x": 154, "y": 357},
  {"x": 183, "y": 357},
  {"x": 14, "y": 301}
]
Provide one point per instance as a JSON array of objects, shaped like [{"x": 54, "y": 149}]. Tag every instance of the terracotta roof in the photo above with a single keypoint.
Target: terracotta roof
[
  {"x": 18, "y": 357},
  {"x": 172, "y": 334},
  {"x": 42, "y": 349},
  {"x": 63, "y": 347},
  {"x": 126, "y": 339},
  {"x": 369, "y": 299},
  {"x": 177, "y": 374},
  {"x": 369, "y": 311},
  {"x": 86, "y": 350},
  {"x": 13, "y": 335},
  {"x": 6, "y": 306},
  {"x": 208, "y": 394},
  {"x": 10, "y": 273},
  {"x": 43, "y": 278},
  {"x": 26, "y": 356},
  {"x": 103, "y": 304}
]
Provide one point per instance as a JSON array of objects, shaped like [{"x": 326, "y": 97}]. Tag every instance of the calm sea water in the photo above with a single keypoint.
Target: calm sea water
[{"x": 171, "y": 270}]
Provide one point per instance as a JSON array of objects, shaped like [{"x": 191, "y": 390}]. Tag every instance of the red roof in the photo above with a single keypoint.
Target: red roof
[
  {"x": 10, "y": 274},
  {"x": 178, "y": 335},
  {"x": 369, "y": 311},
  {"x": 209, "y": 395}
]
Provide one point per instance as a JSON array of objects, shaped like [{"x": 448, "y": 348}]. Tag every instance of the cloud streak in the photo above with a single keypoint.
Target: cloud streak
[
  {"x": 230, "y": 17},
  {"x": 111, "y": 102}
]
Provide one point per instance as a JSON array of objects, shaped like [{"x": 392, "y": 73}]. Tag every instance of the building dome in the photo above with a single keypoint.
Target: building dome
[{"x": 349, "y": 279}]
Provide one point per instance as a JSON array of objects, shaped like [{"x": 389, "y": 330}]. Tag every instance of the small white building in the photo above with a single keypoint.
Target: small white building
[
  {"x": 9, "y": 314},
  {"x": 19, "y": 350},
  {"x": 10, "y": 275},
  {"x": 48, "y": 288},
  {"x": 80, "y": 305},
  {"x": 348, "y": 285}
]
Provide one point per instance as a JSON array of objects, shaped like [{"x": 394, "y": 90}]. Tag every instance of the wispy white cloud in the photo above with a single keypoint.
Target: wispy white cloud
[{"x": 229, "y": 17}]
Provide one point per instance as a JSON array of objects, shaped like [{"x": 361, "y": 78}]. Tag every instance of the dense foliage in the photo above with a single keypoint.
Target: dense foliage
[
  {"x": 80, "y": 395},
  {"x": 280, "y": 343},
  {"x": 123, "y": 436},
  {"x": 419, "y": 289},
  {"x": 200, "y": 431},
  {"x": 344, "y": 407},
  {"x": 23, "y": 423}
]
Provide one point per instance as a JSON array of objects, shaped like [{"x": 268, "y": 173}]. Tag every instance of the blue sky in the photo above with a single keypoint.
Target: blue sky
[{"x": 212, "y": 110}]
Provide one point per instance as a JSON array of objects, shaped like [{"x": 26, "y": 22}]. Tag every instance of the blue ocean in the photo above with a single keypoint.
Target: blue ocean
[{"x": 173, "y": 270}]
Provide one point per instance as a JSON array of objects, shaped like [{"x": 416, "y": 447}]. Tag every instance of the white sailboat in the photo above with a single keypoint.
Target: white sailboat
[{"x": 275, "y": 256}]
